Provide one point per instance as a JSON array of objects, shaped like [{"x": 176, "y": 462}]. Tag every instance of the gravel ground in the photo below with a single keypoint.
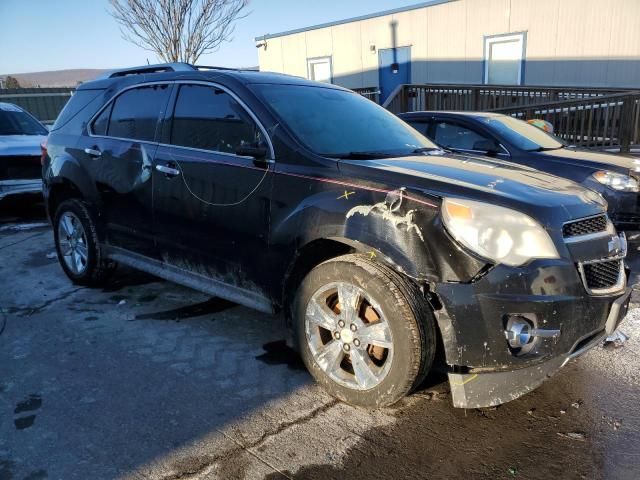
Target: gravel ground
[{"x": 147, "y": 380}]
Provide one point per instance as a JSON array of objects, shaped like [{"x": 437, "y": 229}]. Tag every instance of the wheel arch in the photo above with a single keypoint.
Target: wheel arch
[
  {"x": 60, "y": 190},
  {"x": 319, "y": 250},
  {"x": 305, "y": 258},
  {"x": 66, "y": 178}
]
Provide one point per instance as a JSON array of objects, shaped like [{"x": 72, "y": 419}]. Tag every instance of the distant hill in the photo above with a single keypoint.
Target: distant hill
[
  {"x": 62, "y": 78},
  {"x": 55, "y": 78}
]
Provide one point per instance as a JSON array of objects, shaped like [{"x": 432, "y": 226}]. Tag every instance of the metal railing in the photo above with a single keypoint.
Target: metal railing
[
  {"x": 372, "y": 93},
  {"x": 411, "y": 98}
]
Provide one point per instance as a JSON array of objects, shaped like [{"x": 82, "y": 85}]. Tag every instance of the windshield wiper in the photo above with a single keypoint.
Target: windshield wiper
[
  {"x": 427, "y": 149},
  {"x": 546, "y": 149},
  {"x": 358, "y": 155}
]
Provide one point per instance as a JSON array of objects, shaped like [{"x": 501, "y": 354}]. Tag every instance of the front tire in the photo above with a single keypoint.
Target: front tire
[
  {"x": 363, "y": 331},
  {"x": 78, "y": 246}
]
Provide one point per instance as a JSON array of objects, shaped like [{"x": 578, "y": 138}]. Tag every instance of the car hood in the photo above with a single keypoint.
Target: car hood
[
  {"x": 20, "y": 144},
  {"x": 588, "y": 158},
  {"x": 548, "y": 198}
]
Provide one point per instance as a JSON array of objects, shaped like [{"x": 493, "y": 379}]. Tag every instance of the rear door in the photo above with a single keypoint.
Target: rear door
[
  {"x": 211, "y": 199},
  {"x": 118, "y": 153}
]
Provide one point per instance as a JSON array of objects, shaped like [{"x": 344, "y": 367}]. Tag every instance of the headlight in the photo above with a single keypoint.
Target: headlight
[
  {"x": 617, "y": 181},
  {"x": 496, "y": 233}
]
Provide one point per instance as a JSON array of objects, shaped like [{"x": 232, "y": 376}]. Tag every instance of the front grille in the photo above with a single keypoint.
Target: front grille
[
  {"x": 585, "y": 226},
  {"x": 21, "y": 167},
  {"x": 602, "y": 275}
]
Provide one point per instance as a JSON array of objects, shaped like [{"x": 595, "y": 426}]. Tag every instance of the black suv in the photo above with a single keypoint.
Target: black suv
[{"x": 283, "y": 194}]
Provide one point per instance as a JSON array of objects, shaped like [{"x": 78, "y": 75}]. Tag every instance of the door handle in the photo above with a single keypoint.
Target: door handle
[
  {"x": 93, "y": 152},
  {"x": 261, "y": 162},
  {"x": 171, "y": 172}
]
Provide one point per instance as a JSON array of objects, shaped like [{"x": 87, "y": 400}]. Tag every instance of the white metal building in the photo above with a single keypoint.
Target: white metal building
[{"x": 514, "y": 42}]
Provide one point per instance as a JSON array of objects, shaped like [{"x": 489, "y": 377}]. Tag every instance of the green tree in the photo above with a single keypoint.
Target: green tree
[{"x": 11, "y": 82}]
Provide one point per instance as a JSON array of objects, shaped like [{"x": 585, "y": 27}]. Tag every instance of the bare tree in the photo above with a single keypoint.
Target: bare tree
[{"x": 177, "y": 30}]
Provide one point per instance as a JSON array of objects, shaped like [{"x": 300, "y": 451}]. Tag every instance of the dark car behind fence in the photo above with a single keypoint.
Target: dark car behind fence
[{"x": 43, "y": 103}]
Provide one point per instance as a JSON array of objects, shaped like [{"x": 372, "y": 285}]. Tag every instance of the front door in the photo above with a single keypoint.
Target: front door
[
  {"x": 211, "y": 199},
  {"x": 395, "y": 69}
]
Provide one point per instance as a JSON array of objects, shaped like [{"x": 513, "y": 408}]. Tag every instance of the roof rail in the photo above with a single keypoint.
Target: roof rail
[
  {"x": 161, "y": 67},
  {"x": 209, "y": 67}
]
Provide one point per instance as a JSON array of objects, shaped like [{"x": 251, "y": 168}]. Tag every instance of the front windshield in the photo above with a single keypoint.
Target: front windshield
[
  {"x": 523, "y": 135},
  {"x": 14, "y": 121},
  {"x": 336, "y": 123}
]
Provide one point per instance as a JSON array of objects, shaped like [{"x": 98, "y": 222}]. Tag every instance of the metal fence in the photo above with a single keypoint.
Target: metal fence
[
  {"x": 411, "y": 98},
  {"x": 372, "y": 93},
  {"x": 43, "y": 103}
]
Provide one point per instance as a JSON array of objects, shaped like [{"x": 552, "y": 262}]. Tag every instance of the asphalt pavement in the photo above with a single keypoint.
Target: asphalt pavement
[{"x": 143, "y": 379}]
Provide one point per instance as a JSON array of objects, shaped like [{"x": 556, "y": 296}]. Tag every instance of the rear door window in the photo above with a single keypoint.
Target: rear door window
[
  {"x": 209, "y": 118},
  {"x": 135, "y": 113}
]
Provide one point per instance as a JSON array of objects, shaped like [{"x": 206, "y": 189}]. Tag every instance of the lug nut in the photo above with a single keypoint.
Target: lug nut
[
  {"x": 356, "y": 342},
  {"x": 353, "y": 327},
  {"x": 346, "y": 347},
  {"x": 337, "y": 335},
  {"x": 341, "y": 324}
]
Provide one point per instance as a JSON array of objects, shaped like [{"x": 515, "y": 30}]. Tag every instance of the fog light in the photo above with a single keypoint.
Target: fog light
[{"x": 518, "y": 332}]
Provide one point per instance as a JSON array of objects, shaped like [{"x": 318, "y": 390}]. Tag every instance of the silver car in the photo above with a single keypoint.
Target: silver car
[{"x": 21, "y": 136}]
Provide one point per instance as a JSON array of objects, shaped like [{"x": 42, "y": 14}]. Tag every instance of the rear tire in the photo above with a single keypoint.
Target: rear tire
[
  {"x": 78, "y": 246},
  {"x": 363, "y": 331}
]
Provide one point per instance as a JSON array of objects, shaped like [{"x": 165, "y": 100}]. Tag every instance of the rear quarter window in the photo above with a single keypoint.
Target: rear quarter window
[{"x": 78, "y": 101}]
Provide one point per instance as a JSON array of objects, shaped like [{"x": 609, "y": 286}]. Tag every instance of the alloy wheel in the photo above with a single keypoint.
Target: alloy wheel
[
  {"x": 72, "y": 240},
  {"x": 348, "y": 335}
]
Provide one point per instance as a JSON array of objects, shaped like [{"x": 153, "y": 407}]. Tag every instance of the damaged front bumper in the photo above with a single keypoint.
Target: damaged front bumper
[
  {"x": 17, "y": 187},
  {"x": 477, "y": 389}
]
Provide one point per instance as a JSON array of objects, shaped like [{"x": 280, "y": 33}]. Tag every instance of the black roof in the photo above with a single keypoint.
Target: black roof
[{"x": 184, "y": 71}]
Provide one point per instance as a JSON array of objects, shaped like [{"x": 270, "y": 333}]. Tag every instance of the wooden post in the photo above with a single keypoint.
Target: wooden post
[
  {"x": 404, "y": 100},
  {"x": 626, "y": 123},
  {"x": 475, "y": 99}
]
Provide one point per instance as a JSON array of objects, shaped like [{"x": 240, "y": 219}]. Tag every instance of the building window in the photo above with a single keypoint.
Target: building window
[
  {"x": 319, "y": 69},
  {"x": 504, "y": 59}
]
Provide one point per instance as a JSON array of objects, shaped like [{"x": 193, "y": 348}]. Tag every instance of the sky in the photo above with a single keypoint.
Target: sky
[{"x": 39, "y": 35}]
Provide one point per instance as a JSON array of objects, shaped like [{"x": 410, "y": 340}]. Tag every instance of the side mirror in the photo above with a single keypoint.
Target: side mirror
[
  {"x": 486, "y": 145},
  {"x": 259, "y": 152}
]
